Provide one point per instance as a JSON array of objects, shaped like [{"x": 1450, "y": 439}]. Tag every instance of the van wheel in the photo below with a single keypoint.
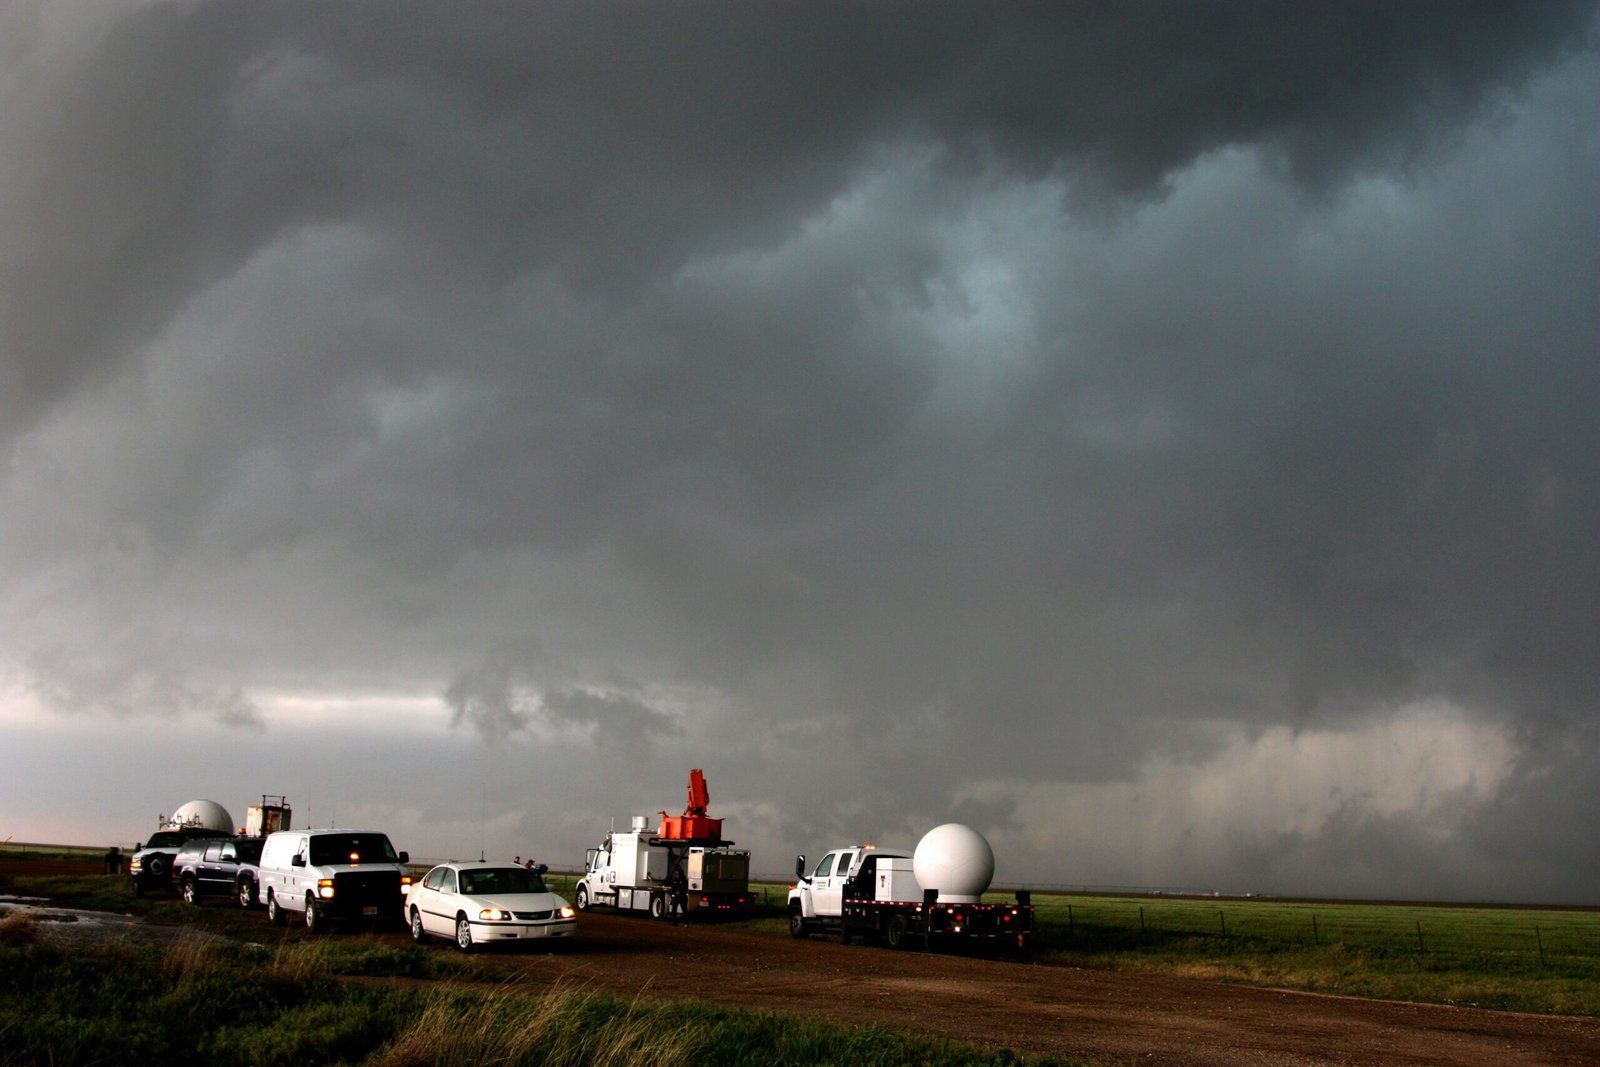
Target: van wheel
[
  {"x": 314, "y": 921},
  {"x": 463, "y": 934},
  {"x": 580, "y": 897},
  {"x": 797, "y": 925},
  {"x": 191, "y": 892},
  {"x": 274, "y": 912}
]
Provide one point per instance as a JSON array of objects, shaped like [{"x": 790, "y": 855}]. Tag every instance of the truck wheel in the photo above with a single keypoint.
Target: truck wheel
[
  {"x": 247, "y": 893},
  {"x": 314, "y": 923},
  {"x": 155, "y": 866},
  {"x": 191, "y": 892},
  {"x": 274, "y": 912},
  {"x": 580, "y": 897},
  {"x": 418, "y": 934},
  {"x": 463, "y": 934},
  {"x": 797, "y": 925},
  {"x": 658, "y": 907},
  {"x": 897, "y": 931}
]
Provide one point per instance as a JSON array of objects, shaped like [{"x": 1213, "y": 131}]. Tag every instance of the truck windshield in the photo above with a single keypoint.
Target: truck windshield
[
  {"x": 501, "y": 880},
  {"x": 330, "y": 849}
]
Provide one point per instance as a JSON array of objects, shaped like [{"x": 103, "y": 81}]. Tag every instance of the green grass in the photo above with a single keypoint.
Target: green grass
[
  {"x": 1542, "y": 960},
  {"x": 201, "y": 1001}
]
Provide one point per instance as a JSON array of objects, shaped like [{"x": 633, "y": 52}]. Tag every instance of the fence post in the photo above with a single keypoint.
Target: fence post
[
  {"x": 1069, "y": 920},
  {"x": 1141, "y": 920},
  {"x": 1419, "y": 937},
  {"x": 1223, "y": 919},
  {"x": 1540, "y": 939}
]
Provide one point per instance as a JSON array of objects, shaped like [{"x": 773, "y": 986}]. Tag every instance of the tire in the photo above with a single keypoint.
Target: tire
[
  {"x": 315, "y": 924},
  {"x": 274, "y": 910},
  {"x": 191, "y": 892},
  {"x": 418, "y": 934},
  {"x": 156, "y": 867},
  {"x": 247, "y": 893},
  {"x": 580, "y": 897},
  {"x": 463, "y": 934},
  {"x": 658, "y": 907},
  {"x": 797, "y": 925},
  {"x": 898, "y": 931}
]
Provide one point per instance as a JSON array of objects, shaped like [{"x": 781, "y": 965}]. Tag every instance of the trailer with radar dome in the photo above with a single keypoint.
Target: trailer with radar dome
[{"x": 931, "y": 895}]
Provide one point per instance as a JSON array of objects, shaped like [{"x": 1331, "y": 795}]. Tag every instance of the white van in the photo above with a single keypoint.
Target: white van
[{"x": 347, "y": 876}]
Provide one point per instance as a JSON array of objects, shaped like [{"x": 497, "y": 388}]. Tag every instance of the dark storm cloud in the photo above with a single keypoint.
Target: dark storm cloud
[
  {"x": 937, "y": 410},
  {"x": 610, "y": 141}
]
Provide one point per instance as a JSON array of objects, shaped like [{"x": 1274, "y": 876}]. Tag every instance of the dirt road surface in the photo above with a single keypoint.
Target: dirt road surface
[{"x": 1038, "y": 1008}]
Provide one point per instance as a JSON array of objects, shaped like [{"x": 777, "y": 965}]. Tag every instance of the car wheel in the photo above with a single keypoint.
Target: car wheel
[
  {"x": 897, "y": 931},
  {"x": 463, "y": 934},
  {"x": 580, "y": 897},
  {"x": 314, "y": 923},
  {"x": 247, "y": 893},
  {"x": 418, "y": 934},
  {"x": 191, "y": 892},
  {"x": 274, "y": 911},
  {"x": 797, "y": 925}
]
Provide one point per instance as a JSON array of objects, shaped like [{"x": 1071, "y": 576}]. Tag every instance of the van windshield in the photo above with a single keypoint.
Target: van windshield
[{"x": 330, "y": 849}]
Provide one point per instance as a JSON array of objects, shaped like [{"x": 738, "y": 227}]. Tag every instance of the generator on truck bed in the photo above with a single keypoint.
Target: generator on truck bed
[
  {"x": 902, "y": 898},
  {"x": 637, "y": 869}
]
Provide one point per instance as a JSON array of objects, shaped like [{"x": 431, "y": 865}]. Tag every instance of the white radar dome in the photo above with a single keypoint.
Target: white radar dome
[
  {"x": 206, "y": 814},
  {"x": 956, "y": 860}
]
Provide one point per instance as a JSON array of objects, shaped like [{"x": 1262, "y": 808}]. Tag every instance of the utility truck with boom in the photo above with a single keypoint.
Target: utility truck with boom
[
  {"x": 900, "y": 898},
  {"x": 639, "y": 868}
]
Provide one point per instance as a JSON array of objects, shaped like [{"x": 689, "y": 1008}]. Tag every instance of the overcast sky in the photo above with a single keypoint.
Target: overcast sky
[{"x": 1163, "y": 436}]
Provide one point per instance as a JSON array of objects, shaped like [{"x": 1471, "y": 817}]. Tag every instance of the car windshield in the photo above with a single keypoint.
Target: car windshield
[
  {"x": 330, "y": 849},
  {"x": 501, "y": 880}
]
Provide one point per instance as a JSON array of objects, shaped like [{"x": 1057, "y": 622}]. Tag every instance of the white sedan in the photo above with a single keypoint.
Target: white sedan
[{"x": 483, "y": 903}]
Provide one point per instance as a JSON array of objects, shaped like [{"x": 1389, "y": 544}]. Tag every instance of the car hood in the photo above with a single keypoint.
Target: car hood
[{"x": 518, "y": 901}]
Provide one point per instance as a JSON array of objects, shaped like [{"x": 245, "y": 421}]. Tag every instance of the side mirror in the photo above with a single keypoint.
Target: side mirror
[
  {"x": 298, "y": 861},
  {"x": 800, "y": 868},
  {"x": 405, "y": 857}
]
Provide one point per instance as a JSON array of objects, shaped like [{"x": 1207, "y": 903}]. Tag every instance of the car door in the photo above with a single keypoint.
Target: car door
[{"x": 430, "y": 905}]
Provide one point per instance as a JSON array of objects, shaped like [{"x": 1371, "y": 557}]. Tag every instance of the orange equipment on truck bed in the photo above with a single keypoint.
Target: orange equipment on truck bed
[{"x": 693, "y": 824}]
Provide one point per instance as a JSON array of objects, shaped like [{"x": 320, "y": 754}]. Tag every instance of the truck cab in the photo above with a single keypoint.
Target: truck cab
[{"x": 816, "y": 901}]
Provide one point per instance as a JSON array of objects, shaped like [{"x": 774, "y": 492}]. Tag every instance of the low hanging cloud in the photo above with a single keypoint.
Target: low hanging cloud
[{"x": 1240, "y": 816}]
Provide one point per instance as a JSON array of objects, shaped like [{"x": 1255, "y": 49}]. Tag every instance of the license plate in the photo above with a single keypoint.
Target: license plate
[{"x": 369, "y": 911}]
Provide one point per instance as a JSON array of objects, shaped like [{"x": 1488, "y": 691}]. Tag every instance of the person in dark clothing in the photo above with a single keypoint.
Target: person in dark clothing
[{"x": 678, "y": 894}]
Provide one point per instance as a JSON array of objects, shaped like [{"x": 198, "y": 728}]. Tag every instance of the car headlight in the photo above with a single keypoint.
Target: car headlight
[
  {"x": 494, "y": 915},
  {"x": 566, "y": 913}
]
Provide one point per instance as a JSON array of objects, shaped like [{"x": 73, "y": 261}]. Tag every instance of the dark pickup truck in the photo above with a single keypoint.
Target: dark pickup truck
[{"x": 220, "y": 867}]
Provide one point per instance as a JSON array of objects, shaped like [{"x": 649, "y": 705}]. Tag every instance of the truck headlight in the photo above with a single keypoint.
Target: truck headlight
[
  {"x": 566, "y": 913},
  {"x": 494, "y": 915}
]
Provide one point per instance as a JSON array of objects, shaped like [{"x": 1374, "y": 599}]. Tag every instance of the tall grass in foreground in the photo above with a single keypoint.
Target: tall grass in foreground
[{"x": 207, "y": 1002}]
